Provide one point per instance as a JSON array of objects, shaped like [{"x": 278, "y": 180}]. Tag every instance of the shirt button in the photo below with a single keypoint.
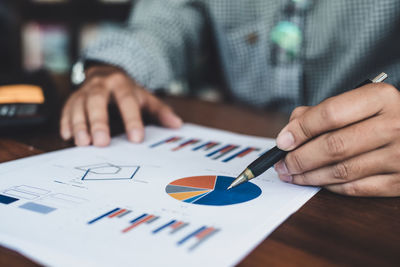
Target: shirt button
[{"x": 252, "y": 38}]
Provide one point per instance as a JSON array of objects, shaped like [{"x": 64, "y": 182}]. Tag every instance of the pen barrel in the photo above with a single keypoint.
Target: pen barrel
[{"x": 266, "y": 161}]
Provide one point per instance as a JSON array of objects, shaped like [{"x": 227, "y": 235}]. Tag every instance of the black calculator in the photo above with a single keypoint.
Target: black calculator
[{"x": 24, "y": 100}]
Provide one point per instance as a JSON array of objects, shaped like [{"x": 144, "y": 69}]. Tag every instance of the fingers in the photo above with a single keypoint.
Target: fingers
[
  {"x": 367, "y": 164},
  {"x": 333, "y": 113},
  {"x": 65, "y": 125},
  {"x": 129, "y": 107},
  {"x": 86, "y": 110},
  {"x": 385, "y": 185},
  {"x": 339, "y": 145},
  {"x": 96, "y": 108},
  {"x": 162, "y": 112},
  {"x": 79, "y": 123}
]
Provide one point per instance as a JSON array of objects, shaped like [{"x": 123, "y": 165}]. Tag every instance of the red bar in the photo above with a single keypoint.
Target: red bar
[
  {"x": 192, "y": 141},
  {"x": 211, "y": 144},
  {"x": 205, "y": 232},
  {"x": 173, "y": 139},
  {"x": 244, "y": 153},
  {"x": 149, "y": 217},
  {"x": 116, "y": 213},
  {"x": 228, "y": 148},
  {"x": 176, "y": 225}
]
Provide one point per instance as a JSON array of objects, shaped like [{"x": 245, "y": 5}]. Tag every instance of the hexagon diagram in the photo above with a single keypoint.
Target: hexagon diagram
[{"x": 107, "y": 171}]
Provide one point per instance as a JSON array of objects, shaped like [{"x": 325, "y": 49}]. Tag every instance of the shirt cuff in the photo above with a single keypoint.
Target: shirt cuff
[{"x": 138, "y": 54}]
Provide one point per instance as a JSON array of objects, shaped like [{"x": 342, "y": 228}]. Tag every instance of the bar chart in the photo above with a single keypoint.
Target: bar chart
[
  {"x": 211, "y": 149},
  {"x": 173, "y": 229}
]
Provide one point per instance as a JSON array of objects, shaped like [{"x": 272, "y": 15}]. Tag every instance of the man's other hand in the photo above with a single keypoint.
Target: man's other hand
[{"x": 85, "y": 114}]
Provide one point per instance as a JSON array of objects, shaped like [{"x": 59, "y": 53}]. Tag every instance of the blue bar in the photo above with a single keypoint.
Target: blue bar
[
  {"x": 104, "y": 215},
  {"x": 138, "y": 218},
  {"x": 7, "y": 200},
  {"x": 164, "y": 226},
  {"x": 37, "y": 208},
  {"x": 200, "y": 146},
  {"x": 191, "y": 235},
  {"x": 216, "y": 151},
  {"x": 162, "y": 142}
]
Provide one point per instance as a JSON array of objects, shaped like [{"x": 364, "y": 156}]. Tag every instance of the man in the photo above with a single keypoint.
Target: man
[{"x": 273, "y": 53}]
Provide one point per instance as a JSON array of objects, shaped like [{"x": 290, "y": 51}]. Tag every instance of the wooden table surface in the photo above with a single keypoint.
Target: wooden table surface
[{"x": 328, "y": 230}]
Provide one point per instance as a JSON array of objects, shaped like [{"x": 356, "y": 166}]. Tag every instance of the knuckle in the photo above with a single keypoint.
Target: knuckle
[
  {"x": 97, "y": 94},
  {"x": 98, "y": 122},
  {"x": 79, "y": 126},
  {"x": 98, "y": 125},
  {"x": 95, "y": 80},
  {"x": 351, "y": 189},
  {"x": 396, "y": 153},
  {"x": 134, "y": 123},
  {"x": 341, "y": 171},
  {"x": 79, "y": 98},
  {"x": 300, "y": 179},
  {"x": 128, "y": 101},
  {"x": 395, "y": 125},
  {"x": 335, "y": 146},
  {"x": 388, "y": 91},
  {"x": 296, "y": 112},
  {"x": 294, "y": 163},
  {"x": 116, "y": 78},
  {"x": 303, "y": 128},
  {"x": 328, "y": 114},
  {"x": 122, "y": 94}
]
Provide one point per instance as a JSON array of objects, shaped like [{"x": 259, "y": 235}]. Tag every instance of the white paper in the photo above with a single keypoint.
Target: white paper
[{"x": 59, "y": 193}]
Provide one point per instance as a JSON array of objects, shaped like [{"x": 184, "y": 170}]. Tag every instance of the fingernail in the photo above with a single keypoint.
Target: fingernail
[
  {"x": 100, "y": 138},
  {"x": 173, "y": 120},
  {"x": 66, "y": 135},
  {"x": 82, "y": 138},
  {"x": 285, "y": 140},
  {"x": 286, "y": 178},
  {"x": 280, "y": 168},
  {"x": 136, "y": 135},
  {"x": 176, "y": 121}
]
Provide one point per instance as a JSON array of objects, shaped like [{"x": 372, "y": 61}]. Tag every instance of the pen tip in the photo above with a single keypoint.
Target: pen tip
[{"x": 229, "y": 187}]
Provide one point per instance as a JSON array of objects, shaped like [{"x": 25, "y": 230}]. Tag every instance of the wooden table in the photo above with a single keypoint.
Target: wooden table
[{"x": 328, "y": 230}]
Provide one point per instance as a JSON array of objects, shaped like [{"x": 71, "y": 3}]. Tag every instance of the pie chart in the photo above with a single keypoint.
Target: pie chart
[{"x": 211, "y": 190}]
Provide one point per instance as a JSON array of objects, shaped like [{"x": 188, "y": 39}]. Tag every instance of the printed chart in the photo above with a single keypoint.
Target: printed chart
[
  {"x": 107, "y": 171},
  {"x": 49, "y": 201},
  {"x": 196, "y": 237},
  {"x": 214, "y": 150},
  {"x": 211, "y": 190}
]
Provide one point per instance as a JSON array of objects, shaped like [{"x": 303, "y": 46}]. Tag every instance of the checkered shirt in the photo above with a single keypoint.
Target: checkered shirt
[{"x": 344, "y": 42}]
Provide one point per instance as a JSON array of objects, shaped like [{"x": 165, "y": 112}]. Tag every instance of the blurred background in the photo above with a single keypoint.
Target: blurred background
[{"x": 49, "y": 34}]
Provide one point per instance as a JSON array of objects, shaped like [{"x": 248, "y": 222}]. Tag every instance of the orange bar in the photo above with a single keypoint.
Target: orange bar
[
  {"x": 244, "y": 153},
  {"x": 116, "y": 213},
  {"x": 227, "y": 148},
  {"x": 173, "y": 139},
  {"x": 176, "y": 225},
  {"x": 205, "y": 232},
  {"x": 137, "y": 223}
]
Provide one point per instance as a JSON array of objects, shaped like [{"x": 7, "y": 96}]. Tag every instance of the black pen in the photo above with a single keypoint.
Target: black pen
[{"x": 272, "y": 156}]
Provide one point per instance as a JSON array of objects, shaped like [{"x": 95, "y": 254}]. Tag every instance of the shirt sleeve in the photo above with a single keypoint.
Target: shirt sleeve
[{"x": 154, "y": 45}]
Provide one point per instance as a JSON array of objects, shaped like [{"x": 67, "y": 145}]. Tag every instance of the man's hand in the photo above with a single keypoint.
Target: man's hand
[
  {"x": 85, "y": 116},
  {"x": 349, "y": 144}
]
